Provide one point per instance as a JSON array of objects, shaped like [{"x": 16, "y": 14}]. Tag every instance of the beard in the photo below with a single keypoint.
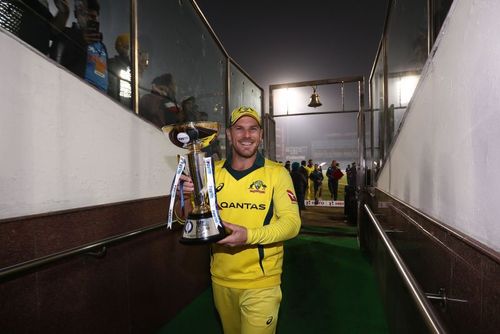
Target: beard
[{"x": 244, "y": 153}]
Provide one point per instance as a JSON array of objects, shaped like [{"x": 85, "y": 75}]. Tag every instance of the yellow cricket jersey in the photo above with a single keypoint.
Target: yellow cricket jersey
[{"x": 262, "y": 199}]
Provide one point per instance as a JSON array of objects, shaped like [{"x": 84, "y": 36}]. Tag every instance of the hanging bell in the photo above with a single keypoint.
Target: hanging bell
[{"x": 314, "y": 100}]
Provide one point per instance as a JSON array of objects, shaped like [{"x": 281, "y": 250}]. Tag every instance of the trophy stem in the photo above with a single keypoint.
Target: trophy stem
[{"x": 196, "y": 167}]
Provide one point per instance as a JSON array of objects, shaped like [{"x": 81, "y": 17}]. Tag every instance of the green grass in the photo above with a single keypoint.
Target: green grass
[
  {"x": 325, "y": 193},
  {"x": 328, "y": 287}
]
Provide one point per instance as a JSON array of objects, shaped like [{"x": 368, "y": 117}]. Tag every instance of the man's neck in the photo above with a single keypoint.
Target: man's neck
[{"x": 241, "y": 163}]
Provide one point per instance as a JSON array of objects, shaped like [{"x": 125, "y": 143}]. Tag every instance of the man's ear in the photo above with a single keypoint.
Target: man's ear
[{"x": 228, "y": 135}]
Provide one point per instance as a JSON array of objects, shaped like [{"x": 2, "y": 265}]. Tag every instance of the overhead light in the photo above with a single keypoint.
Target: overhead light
[{"x": 314, "y": 102}]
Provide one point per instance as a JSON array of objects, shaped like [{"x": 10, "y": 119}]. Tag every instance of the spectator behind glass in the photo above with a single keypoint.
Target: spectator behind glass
[
  {"x": 190, "y": 109},
  {"x": 160, "y": 106},
  {"x": 119, "y": 72},
  {"x": 32, "y": 21},
  {"x": 80, "y": 48}
]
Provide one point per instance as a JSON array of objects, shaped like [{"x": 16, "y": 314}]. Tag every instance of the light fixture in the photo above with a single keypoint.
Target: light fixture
[{"x": 314, "y": 103}]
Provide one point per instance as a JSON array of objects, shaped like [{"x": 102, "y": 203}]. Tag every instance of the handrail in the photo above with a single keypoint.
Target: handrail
[
  {"x": 23, "y": 267},
  {"x": 418, "y": 296}
]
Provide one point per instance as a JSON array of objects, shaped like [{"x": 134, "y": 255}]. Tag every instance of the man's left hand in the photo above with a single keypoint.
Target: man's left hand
[{"x": 238, "y": 236}]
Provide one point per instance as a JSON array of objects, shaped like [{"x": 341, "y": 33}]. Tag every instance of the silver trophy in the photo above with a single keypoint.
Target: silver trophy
[{"x": 203, "y": 224}]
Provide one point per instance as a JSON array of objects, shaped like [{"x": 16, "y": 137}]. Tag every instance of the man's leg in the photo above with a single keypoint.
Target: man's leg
[
  {"x": 259, "y": 310},
  {"x": 335, "y": 190},
  {"x": 226, "y": 302}
]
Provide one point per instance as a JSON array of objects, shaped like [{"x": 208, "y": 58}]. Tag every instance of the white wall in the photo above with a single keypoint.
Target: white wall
[
  {"x": 64, "y": 145},
  {"x": 446, "y": 159}
]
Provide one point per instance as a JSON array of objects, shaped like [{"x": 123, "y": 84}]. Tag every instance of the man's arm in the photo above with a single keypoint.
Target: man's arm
[{"x": 286, "y": 224}]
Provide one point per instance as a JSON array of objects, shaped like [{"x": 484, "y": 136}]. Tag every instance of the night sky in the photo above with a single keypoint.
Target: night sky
[
  {"x": 287, "y": 41},
  {"x": 290, "y": 41}
]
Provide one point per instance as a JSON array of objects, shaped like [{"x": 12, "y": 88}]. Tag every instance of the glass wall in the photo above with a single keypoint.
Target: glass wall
[
  {"x": 409, "y": 34},
  {"x": 182, "y": 67},
  {"x": 331, "y": 130},
  {"x": 243, "y": 91},
  {"x": 406, "y": 52}
]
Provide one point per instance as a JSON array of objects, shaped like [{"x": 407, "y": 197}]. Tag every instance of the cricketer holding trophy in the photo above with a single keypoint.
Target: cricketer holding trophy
[{"x": 258, "y": 208}]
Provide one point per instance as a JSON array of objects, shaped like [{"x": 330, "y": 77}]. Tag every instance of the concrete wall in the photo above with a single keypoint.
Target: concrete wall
[
  {"x": 64, "y": 145},
  {"x": 446, "y": 158}
]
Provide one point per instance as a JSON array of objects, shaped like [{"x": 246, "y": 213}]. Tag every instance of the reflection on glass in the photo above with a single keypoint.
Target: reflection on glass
[
  {"x": 243, "y": 91},
  {"x": 182, "y": 69}
]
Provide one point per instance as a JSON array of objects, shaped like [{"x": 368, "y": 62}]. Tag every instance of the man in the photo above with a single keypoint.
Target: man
[
  {"x": 80, "y": 49},
  {"x": 259, "y": 210},
  {"x": 160, "y": 106},
  {"x": 33, "y": 21},
  {"x": 119, "y": 72},
  {"x": 317, "y": 179},
  {"x": 334, "y": 174},
  {"x": 310, "y": 184}
]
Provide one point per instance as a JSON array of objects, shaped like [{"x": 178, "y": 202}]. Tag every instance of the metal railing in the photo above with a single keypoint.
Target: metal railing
[
  {"x": 97, "y": 249},
  {"x": 418, "y": 296}
]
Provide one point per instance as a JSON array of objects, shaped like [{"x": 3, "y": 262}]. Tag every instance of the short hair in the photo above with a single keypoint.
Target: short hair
[{"x": 93, "y": 5}]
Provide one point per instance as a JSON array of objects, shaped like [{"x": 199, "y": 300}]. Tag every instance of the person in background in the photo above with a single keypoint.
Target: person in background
[
  {"x": 37, "y": 25},
  {"x": 190, "y": 109},
  {"x": 119, "y": 72},
  {"x": 287, "y": 165},
  {"x": 351, "y": 178},
  {"x": 299, "y": 184},
  {"x": 333, "y": 179},
  {"x": 159, "y": 106},
  {"x": 80, "y": 48},
  {"x": 348, "y": 174},
  {"x": 259, "y": 209},
  {"x": 317, "y": 179},
  {"x": 310, "y": 186},
  {"x": 33, "y": 22}
]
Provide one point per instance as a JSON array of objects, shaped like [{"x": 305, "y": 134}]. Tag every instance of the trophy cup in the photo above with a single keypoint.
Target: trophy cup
[{"x": 203, "y": 224}]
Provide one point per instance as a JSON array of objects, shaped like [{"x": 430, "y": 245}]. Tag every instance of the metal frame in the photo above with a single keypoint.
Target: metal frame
[
  {"x": 423, "y": 305},
  {"x": 25, "y": 267}
]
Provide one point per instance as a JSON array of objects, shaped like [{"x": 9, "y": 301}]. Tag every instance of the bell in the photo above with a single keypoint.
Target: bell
[{"x": 314, "y": 100}]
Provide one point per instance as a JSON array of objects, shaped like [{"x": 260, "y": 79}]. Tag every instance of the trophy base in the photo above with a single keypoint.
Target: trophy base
[{"x": 201, "y": 229}]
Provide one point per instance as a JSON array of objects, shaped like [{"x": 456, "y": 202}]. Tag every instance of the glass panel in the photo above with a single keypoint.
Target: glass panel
[
  {"x": 333, "y": 97},
  {"x": 115, "y": 24},
  {"x": 186, "y": 72},
  {"x": 351, "y": 96},
  {"x": 34, "y": 21},
  {"x": 377, "y": 101},
  {"x": 89, "y": 38},
  {"x": 440, "y": 9},
  {"x": 406, "y": 55},
  {"x": 243, "y": 92},
  {"x": 321, "y": 138}
]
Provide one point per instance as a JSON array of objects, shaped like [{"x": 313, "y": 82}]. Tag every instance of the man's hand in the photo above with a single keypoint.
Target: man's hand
[
  {"x": 238, "y": 236},
  {"x": 187, "y": 185}
]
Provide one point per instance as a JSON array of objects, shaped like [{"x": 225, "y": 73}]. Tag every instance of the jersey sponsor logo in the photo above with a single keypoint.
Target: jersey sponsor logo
[
  {"x": 219, "y": 187},
  {"x": 269, "y": 320},
  {"x": 292, "y": 196},
  {"x": 258, "y": 187},
  {"x": 248, "y": 206}
]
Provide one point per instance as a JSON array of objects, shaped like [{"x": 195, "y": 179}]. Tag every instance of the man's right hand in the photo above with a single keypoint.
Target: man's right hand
[{"x": 187, "y": 185}]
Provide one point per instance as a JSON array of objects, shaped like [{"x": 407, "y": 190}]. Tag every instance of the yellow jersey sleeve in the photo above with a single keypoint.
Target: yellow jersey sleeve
[{"x": 285, "y": 223}]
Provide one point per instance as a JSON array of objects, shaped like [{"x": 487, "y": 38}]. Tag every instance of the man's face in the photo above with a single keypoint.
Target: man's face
[
  {"x": 83, "y": 15},
  {"x": 310, "y": 163},
  {"x": 245, "y": 137},
  {"x": 334, "y": 163}
]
